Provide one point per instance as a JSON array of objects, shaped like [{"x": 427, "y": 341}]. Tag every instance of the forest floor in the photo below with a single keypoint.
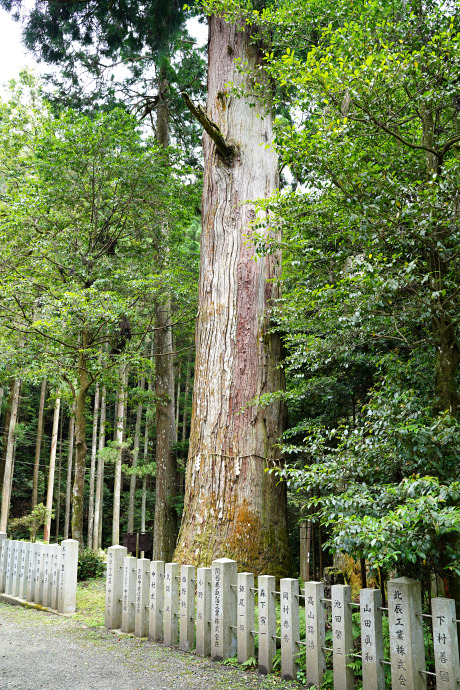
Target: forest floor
[{"x": 39, "y": 649}]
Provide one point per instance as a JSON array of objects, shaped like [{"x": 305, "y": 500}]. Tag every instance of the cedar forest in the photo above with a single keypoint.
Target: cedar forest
[{"x": 285, "y": 350}]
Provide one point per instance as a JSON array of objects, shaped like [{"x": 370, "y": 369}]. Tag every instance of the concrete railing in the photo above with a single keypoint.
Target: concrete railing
[{"x": 44, "y": 574}]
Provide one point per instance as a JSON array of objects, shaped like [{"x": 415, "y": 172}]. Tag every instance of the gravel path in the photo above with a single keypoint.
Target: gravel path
[{"x": 43, "y": 650}]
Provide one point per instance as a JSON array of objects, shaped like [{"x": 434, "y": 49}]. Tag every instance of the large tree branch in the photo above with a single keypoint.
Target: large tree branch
[{"x": 225, "y": 149}]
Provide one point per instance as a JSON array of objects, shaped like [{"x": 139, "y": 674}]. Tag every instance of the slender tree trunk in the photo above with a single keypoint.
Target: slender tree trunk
[
  {"x": 307, "y": 573},
  {"x": 165, "y": 526},
  {"x": 132, "y": 482},
  {"x": 186, "y": 392},
  {"x": 8, "y": 472},
  {"x": 6, "y": 429},
  {"x": 2, "y": 391},
  {"x": 52, "y": 466},
  {"x": 146, "y": 452},
  {"x": 115, "y": 417},
  {"x": 100, "y": 475},
  {"x": 38, "y": 443},
  {"x": 93, "y": 469},
  {"x": 233, "y": 507},
  {"x": 117, "y": 482},
  {"x": 178, "y": 399},
  {"x": 58, "y": 497},
  {"x": 80, "y": 443},
  {"x": 69, "y": 472}
]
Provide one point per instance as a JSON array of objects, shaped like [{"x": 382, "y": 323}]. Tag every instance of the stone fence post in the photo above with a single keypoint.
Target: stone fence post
[
  {"x": 67, "y": 602},
  {"x": 114, "y": 587},
  {"x": 445, "y": 641},
  {"x": 223, "y": 615},
  {"x": 407, "y": 650},
  {"x": 3, "y": 560}
]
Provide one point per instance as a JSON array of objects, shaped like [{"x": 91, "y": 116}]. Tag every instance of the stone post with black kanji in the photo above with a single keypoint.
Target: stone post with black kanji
[
  {"x": 187, "y": 608},
  {"x": 445, "y": 639},
  {"x": 342, "y": 637},
  {"x": 156, "y": 602},
  {"x": 267, "y": 623},
  {"x": 141, "y": 617},
  {"x": 114, "y": 587},
  {"x": 223, "y": 617},
  {"x": 245, "y": 610},
  {"x": 370, "y": 602},
  {"x": 315, "y": 632},
  {"x": 407, "y": 650},
  {"x": 171, "y": 604},
  {"x": 290, "y": 631},
  {"x": 129, "y": 594},
  {"x": 203, "y": 611}
]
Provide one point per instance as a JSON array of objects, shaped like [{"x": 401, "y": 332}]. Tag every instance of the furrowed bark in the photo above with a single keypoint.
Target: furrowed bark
[
  {"x": 186, "y": 392},
  {"x": 232, "y": 506}
]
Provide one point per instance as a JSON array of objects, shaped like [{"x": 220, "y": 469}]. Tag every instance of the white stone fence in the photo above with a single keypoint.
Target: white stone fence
[
  {"x": 212, "y": 611},
  {"x": 44, "y": 574}
]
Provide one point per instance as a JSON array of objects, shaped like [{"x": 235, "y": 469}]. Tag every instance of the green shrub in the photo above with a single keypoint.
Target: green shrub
[{"x": 90, "y": 564}]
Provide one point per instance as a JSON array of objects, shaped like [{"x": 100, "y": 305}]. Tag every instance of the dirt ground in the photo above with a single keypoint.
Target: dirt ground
[{"x": 39, "y": 649}]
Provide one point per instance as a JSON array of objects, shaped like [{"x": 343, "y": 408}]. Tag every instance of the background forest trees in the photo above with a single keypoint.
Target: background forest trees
[
  {"x": 367, "y": 106},
  {"x": 84, "y": 204}
]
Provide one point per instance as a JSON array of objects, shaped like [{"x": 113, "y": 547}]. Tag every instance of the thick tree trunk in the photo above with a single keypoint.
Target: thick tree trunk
[
  {"x": 8, "y": 470},
  {"x": 80, "y": 443},
  {"x": 52, "y": 466},
  {"x": 117, "y": 482},
  {"x": 93, "y": 469},
  {"x": 38, "y": 443},
  {"x": 232, "y": 506},
  {"x": 132, "y": 482},
  {"x": 100, "y": 476},
  {"x": 165, "y": 526}
]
